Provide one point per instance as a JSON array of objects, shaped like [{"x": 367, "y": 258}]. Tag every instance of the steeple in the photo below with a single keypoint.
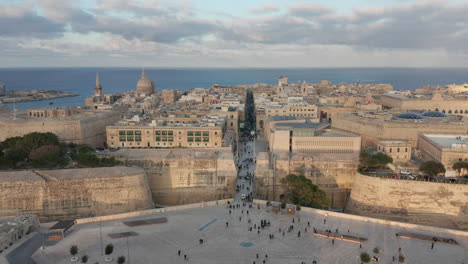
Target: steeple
[
  {"x": 143, "y": 73},
  {"x": 98, "y": 87}
]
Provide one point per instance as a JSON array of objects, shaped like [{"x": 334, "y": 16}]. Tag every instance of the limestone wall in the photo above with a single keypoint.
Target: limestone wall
[
  {"x": 438, "y": 204},
  {"x": 333, "y": 173},
  {"x": 73, "y": 193},
  {"x": 182, "y": 176}
]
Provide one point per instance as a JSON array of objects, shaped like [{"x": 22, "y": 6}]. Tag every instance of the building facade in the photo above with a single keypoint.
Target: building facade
[
  {"x": 446, "y": 149},
  {"x": 398, "y": 150}
]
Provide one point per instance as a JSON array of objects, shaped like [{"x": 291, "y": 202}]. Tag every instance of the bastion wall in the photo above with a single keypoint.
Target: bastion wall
[
  {"x": 431, "y": 203},
  {"x": 182, "y": 176},
  {"x": 73, "y": 193}
]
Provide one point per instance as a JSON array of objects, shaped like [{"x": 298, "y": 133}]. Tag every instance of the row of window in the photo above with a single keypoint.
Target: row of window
[{"x": 166, "y": 133}]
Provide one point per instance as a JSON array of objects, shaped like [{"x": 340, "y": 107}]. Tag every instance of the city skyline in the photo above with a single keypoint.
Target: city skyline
[{"x": 266, "y": 33}]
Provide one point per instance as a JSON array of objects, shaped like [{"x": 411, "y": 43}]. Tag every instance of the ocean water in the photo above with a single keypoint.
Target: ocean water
[{"x": 115, "y": 80}]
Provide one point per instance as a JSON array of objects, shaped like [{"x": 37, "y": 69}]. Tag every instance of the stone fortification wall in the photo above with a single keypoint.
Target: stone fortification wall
[
  {"x": 182, "y": 176},
  {"x": 73, "y": 193},
  {"x": 333, "y": 173},
  {"x": 419, "y": 202},
  {"x": 373, "y": 130}
]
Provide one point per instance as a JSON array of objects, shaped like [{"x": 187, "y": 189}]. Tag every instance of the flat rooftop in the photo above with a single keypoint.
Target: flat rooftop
[
  {"x": 449, "y": 141},
  {"x": 159, "y": 242}
]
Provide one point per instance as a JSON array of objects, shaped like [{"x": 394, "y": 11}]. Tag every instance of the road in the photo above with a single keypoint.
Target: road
[{"x": 246, "y": 168}]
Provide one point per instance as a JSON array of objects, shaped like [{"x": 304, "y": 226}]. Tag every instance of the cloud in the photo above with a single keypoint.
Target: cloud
[
  {"x": 265, "y": 9},
  {"x": 310, "y": 9}
]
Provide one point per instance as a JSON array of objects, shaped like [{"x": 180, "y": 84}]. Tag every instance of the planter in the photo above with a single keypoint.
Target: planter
[
  {"x": 74, "y": 259},
  {"x": 108, "y": 259}
]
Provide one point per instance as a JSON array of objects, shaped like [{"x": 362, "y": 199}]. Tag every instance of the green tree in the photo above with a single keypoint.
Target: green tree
[
  {"x": 302, "y": 191},
  {"x": 109, "y": 249},
  {"x": 87, "y": 159},
  {"x": 121, "y": 260},
  {"x": 35, "y": 140},
  {"x": 365, "y": 257},
  {"x": 432, "y": 168},
  {"x": 74, "y": 250},
  {"x": 84, "y": 259},
  {"x": 379, "y": 159},
  {"x": 460, "y": 166}
]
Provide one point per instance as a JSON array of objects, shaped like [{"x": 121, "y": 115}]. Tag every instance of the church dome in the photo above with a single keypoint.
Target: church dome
[
  {"x": 410, "y": 115},
  {"x": 145, "y": 86},
  {"x": 434, "y": 114}
]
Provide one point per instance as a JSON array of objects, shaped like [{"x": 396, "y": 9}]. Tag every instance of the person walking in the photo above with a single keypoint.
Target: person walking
[{"x": 178, "y": 252}]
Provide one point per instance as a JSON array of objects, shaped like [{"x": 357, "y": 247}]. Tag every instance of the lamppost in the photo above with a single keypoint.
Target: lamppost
[{"x": 100, "y": 232}]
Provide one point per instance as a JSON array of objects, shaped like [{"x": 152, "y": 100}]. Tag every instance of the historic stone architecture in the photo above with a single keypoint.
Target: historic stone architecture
[
  {"x": 431, "y": 203},
  {"x": 15, "y": 227},
  {"x": 181, "y": 176},
  {"x": 76, "y": 126},
  {"x": 70, "y": 193},
  {"x": 144, "y": 86},
  {"x": 376, "y": 126}
]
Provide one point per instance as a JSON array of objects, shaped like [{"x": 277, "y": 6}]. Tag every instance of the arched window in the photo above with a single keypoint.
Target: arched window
[
  {"x": 466, "y": 111},
  {"x": 437, "y": 109},
  {"x": 456, "y": 111},
  {"x": 450, "y": 111},
  {"x": 443, "y": 111}
]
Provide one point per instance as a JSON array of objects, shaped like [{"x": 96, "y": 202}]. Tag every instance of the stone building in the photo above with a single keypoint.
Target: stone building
[
  {"x": 398, "y": 150},
  {"x": 70, "y": 125},
  {"x": 451, "y": 105},
  {"x": 377, "y": 126},
  {"x": 144, "y": 86},
  {"x": 14, "y": 227},
  {"x": 168, "y": 96},
  {"x": 446, "y": 149},
  {"x": 282, "y": 81},
  {"x": 208, "y": 132},
  {"x": 74, "y": 193}
]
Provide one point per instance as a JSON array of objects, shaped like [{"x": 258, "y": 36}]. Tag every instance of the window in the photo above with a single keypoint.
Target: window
[
  {"x": 164, "y": 133},
  {"x": 206, "y": 133},
  {"x": 190, "y": 133},
  {"x": 406, "y": 149},
  {"x": 122, "y": 132},
  {"x": 158, "y": 138},
  {"x": 190, "y": 139},
  {"x": 122, "y": 138},
  {"x": 170, "y": 139},
  {"x": 158, "y": 133},
  {"x": 129, "y": 132},
  {"x": 197, "y": 139},
  {"x": 170, "y": 133},
  {"x": 206, "y": 139},
  {"x": 129, "y": 138},
  {"x": 137, "y": 138},
  {"x": 137, "y": 132},
  {"x": 398, "y": 150},
  {"x": 197, "y": 133}
]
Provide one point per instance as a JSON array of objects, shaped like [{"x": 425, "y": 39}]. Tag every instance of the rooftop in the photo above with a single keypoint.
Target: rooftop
[{"x": 449, "y": 141}]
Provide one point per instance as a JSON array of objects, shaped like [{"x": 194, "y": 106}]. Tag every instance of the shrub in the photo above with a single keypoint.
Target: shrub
[
  {"x": 365, "y": 257},
  {"x": 376, "y": 250},
  {"x": 84, "y": 259},
  {"x": 121, "y": 260},
  {"x": 283, "y": 205},
  {"x": 74, "y": 250},
  {"x": 109, "y": 249},
  {"x": 401, "y": 258}
]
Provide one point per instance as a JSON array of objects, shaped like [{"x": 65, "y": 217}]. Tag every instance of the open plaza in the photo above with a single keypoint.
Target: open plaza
[{"x": 227, "y": 238}]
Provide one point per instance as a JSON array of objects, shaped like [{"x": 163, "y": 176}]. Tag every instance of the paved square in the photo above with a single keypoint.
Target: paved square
[{"x": 236, "y": 244}]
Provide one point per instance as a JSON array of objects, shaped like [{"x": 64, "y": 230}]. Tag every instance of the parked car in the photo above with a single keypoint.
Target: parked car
[{"x": 406, "y": 172}]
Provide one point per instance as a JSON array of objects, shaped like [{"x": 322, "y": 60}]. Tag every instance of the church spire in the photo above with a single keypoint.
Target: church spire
[
  {"x": 143, "y": 73},
  {"x": 98, "y": 87}
]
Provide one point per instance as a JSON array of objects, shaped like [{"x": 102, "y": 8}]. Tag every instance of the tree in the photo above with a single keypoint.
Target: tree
[
  {"x": 379, "y": 159},
  {"x": 84, "y": 259},
  {"x": 432, "y": 168},
  {"x": 460, "y": 166},
  {"x": 121, "y": 260},
  {"x": 401, "y": 258},
  {"x": 365, "y": 257},
  {"x": 74, "y": 250},
  {"x": 302, "y": 191},
  {"x": 109, "y": 249}
]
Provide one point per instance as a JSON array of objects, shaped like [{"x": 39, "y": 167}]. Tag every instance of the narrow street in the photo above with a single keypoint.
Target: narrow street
[{"x": 246, "y": 153}]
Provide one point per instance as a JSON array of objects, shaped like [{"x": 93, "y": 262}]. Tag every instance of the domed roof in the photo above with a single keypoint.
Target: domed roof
[
  {"x": 144, "y": 86},
  {"x": 410, "y": 115},
  {"x": 434, "y": 114}
]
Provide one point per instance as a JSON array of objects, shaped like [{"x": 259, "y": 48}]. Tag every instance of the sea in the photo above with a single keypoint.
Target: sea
[{"x": 115, "y": 80}]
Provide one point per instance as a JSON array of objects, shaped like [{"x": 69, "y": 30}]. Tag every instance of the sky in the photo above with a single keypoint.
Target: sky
[{"x": 233, "y": 33}]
